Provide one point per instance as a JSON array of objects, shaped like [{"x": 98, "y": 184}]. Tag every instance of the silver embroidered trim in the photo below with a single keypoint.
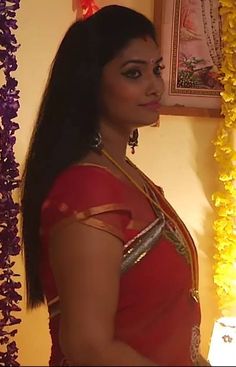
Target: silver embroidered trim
[
  {"x": 142, "y": 243},
  {"x": 195, "y": 343}
]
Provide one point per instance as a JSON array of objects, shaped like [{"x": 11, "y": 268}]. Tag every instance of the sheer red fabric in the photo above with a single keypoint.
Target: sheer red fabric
[{"x": 155, "y": 314}]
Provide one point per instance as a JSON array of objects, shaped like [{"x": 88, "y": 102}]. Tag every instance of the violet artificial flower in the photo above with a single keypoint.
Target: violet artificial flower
[{"x": 9, "y": 181}]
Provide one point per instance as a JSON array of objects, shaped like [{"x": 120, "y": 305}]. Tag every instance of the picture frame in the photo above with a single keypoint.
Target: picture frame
[{"x": 203, "y": 100}]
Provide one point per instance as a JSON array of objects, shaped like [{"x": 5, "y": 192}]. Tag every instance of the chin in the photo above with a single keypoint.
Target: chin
[{"x": 149, "y": 122}]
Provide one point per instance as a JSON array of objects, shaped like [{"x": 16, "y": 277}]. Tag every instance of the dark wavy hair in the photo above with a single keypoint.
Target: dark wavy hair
[{"x": 68, "y": 116}]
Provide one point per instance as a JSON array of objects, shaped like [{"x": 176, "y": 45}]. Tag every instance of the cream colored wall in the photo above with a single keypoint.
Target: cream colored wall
[
  {"x": 146, "y": 7},
  {"x": 42, "y": 24},
  {"x": 178, "y": 156},
  {"x": 41, "y": 27}
]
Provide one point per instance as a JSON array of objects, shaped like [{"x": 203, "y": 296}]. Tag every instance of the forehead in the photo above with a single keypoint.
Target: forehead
[{"x": 139, "y": 48}]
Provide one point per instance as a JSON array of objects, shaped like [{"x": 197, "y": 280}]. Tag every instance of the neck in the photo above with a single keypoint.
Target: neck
[{"x": 115, "y": 142}]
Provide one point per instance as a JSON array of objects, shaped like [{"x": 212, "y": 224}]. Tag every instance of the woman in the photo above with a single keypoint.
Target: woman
[{"x": 116, "y": 265}]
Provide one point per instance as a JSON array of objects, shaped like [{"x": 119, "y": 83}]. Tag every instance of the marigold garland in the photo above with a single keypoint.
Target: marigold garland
[{"x": 225, "y": 155}]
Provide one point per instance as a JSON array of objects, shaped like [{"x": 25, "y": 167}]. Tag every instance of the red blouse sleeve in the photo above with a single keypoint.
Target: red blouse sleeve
[{"x": 90, "y": 195}]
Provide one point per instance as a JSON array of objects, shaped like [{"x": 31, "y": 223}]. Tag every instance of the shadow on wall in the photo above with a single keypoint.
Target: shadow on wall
[{"x": 204, "y": 162}]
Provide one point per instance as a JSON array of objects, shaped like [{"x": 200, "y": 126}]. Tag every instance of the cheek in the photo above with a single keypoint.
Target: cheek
[{"x": 122, "y": 92}]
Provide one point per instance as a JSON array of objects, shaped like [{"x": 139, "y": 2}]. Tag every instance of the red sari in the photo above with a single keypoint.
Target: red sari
[{"x": 156, "y": 313}]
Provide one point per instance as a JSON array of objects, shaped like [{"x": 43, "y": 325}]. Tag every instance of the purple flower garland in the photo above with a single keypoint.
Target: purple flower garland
[{"x": 9, "y": 210}]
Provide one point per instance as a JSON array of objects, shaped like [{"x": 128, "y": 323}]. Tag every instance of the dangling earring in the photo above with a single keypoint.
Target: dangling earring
[
  {"x": 133, "y": 140},
  {"x": 96, "y": 142}
]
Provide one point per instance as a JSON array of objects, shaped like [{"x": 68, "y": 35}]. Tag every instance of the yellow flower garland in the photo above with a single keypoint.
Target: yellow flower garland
[{"x": 225, "y": 155}]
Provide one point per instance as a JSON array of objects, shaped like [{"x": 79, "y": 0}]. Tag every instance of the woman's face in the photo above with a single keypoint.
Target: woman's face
[{"x": 132, "y": 86}]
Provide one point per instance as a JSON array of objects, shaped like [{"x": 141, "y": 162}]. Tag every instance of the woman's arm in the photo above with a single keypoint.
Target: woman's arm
[{"x": 86, "y": 266}]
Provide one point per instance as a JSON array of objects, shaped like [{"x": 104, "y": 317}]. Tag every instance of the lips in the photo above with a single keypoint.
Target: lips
[{"x": 153, "y": 105}]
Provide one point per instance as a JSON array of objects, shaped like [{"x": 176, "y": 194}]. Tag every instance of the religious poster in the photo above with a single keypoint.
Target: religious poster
[{"x": 191, "y": 45}]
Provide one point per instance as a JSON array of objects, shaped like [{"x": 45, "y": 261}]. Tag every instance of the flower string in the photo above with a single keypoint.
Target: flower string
[
  {"x": 225, "y": 155},
  {"x": 9, "y": 210}
]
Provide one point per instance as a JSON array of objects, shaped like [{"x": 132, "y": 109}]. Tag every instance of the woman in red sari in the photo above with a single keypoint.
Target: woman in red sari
[{"x": 109, "y": 255}]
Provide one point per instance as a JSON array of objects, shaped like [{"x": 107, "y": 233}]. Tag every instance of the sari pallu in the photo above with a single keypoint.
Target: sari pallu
[{"x": 156, "y": 314}]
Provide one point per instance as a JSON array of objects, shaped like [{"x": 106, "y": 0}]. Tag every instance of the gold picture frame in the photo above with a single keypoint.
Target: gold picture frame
[{"x": 165, "y": 36}]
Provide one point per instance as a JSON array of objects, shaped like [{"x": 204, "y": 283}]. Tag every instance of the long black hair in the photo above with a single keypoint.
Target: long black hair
[{"x": 68, "y": 116}]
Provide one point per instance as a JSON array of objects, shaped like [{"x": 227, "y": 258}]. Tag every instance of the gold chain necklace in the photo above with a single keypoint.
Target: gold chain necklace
[
  {"x": 109, "y": 157},
  {"x": 194, "y": 291}
]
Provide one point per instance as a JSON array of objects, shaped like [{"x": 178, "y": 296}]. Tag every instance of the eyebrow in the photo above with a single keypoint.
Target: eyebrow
[{"x": 138, "y": 61}]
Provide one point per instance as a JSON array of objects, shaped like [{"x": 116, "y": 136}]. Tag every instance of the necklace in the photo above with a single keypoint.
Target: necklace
[
  {"x": 106, "y": 154},
  {"x": 192, "y": 251}
]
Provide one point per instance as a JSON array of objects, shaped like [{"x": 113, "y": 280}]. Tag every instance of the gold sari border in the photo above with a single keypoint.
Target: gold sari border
[
  {"x": 86, "y": 218},
  {"x": 100, "y": 209},
  {"x": 52, "y": 301},
  {"x": 189, "y": 243},
  {"x": 54, "y": 309},
  {"x": 136, "y": 225},
  {"x": 99, "y": 224}
]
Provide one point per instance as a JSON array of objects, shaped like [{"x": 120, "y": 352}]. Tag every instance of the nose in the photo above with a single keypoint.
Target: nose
[{"x": 155, "y": 85}]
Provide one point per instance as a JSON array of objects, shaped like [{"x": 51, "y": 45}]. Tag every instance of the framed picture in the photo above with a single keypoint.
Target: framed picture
[{"x": 189, "y": 35}]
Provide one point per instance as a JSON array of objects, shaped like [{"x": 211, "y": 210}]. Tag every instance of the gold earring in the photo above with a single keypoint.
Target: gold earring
[{"x": 133, "y": 140}]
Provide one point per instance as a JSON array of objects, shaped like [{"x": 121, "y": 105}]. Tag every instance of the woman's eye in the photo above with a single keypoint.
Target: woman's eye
[
  {"x": 157, "y": 70},
  {"x": 132, "y": 73}
]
